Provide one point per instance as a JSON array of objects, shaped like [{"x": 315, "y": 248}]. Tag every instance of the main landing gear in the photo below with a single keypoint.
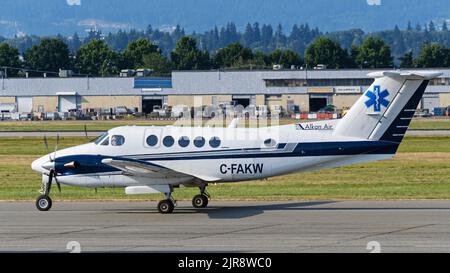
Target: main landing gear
[
  {"x": 167, "y": 205},
  {"x": 201, "y": 200}
]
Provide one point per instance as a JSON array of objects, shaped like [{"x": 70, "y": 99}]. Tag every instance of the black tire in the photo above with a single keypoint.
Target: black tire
[
  {"x": 200, "y": 201},
  {"x": 43, "y": 203},
  {"x": 165, "y": 206}
]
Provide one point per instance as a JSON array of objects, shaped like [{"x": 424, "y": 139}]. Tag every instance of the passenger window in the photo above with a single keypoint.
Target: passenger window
[
  {"x": 168, "y": 141},
  {"x": 199, "y": 142},
  {"x": 152, "y": 140},
  {"x": 270, "y": 142},
  {"x": 183, "y": 141},
  {"x": 105, "y": 142},
  {"x": 117, "y": 140},
  {"x": 214, "y": 142}
]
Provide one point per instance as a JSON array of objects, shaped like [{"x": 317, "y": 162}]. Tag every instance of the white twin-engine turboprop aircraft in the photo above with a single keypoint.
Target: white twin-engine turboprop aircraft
[{"x": 158, "y": 159}]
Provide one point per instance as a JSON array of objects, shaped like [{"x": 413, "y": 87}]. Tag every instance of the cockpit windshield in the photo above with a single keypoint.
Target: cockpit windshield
[{"x": 100, "y": 138}]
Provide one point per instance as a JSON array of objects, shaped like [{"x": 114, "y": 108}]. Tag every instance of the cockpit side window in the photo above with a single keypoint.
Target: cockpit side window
[
  {"x": 117, "y": 140},
  {"x": 100, "y": 138},
  {"x": 105, "y": 142}
]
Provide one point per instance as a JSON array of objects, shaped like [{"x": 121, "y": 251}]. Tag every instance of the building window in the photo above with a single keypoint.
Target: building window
[
  {"x": 117, "y": 140},
  {"x": 168, "y": 141},
  {"x": 152, "y": 140},
  {"x": 318, "y": 82},
  {"x": 214, "y": 142},
  {"x": 183, "y": 141},
  {"x": 199, "y": 142}
]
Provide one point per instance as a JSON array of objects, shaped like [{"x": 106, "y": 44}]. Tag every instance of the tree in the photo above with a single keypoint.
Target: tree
[
  {"x": 113, "y": 63},
  {"x": 374, "y": 53},
  {"x": 407, "y": 60},
  {"x": 186, "y": 55},
  {"x": 9, "y": 56},
  {"x": 418, "y": 27},
  {"x": 49, "y": 55},
  {"x": 431, "y": 26},
  {"x": 248, "y": 38},
  {"x": 444, "y": 26},
  {"x": 135, "y": 51},
  {"x": 326, "y": 51},
  {"x": 160, "y": 64},
  {"x": 433, "y": 55},
  {"x": 74, "y": 42},
  {"x": 231, "y": 55},
  {"x": 95, "y": 58},
  {"x": 266, "y": 35},
  {"x": 279, "y": 37},
  {"x": 409, "y": 26},
  {"x": 286, "y": 58}
]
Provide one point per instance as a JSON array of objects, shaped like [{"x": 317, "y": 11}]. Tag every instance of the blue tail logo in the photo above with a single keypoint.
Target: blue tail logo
[{"x": 377, "y": 98}]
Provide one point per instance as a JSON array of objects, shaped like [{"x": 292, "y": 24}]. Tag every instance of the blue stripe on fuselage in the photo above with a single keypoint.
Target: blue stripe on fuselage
[{"x": 92, "y": 163}]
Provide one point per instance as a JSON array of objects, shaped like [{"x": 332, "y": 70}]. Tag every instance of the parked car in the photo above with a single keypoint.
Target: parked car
[
  {"x": 159, "y": 111},
  {"x": 122, "y": 110},
  {"x": 276, "y": 110},
  {"x": 180, "y": 111}
]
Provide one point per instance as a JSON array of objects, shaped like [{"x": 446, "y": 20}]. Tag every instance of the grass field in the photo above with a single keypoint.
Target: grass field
[
  {"x": 421, "y": 170},
  {"x": 105, "y": 125}
]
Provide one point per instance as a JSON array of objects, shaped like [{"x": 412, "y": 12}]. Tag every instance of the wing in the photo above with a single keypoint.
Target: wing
[{"x": 141, "y": 168}]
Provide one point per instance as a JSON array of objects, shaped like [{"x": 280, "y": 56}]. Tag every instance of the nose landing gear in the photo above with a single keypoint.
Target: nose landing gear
[{"x": 44, "y": 202}]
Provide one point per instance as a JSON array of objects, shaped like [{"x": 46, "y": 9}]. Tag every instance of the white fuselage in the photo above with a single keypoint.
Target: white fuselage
[{"x": 225, "y": 155}]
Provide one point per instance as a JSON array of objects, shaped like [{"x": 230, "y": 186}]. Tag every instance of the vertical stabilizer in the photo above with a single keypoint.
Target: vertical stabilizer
[{"x": 385, "y": 110}]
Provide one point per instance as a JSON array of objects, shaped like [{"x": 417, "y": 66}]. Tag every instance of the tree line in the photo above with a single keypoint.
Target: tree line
[
  {"x": 97, "y": 58},
  {"x": 265, "y": 38}
]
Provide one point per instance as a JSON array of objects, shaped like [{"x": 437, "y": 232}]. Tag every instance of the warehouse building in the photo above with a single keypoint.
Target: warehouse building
[{"x": 311, "y": 91}]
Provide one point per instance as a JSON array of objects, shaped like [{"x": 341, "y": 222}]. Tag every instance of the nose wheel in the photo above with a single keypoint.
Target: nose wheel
[{"x": 43, "y": 203}]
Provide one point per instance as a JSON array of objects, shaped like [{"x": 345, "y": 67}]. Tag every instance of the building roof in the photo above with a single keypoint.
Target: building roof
[{"x": 184, "y": 83}]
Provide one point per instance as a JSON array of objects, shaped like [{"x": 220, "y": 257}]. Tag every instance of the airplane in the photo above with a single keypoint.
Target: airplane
[{"x": 155, "y": 159}]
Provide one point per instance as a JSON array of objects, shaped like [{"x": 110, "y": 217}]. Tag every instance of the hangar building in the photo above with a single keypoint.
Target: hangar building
[{"x": 310, "y": 90}]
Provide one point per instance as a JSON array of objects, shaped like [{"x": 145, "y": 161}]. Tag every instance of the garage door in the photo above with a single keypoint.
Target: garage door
[
  {"x": 66, "y": 103},
  {"x": 429, "y": 102},
  {"x": 24, "y": 104}
]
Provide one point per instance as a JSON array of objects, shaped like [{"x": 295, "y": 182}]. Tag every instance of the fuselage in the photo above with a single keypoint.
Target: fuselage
[{"x": 211, "y": 154}]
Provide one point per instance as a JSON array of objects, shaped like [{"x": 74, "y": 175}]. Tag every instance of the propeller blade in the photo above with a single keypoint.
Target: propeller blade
[
  {"x": 85, "y": 131},
  {"x": 58, "y": 184},
  {"x": 56, "y": 146},
  {"x": 45, "y": 142},
  {"x": 46, "y": 147}
]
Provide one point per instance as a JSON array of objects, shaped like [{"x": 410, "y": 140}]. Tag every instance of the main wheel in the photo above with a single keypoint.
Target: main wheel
[
  {"x": 165, "y": 206},
  {"x": 43, "y": 203},
  {"x": 200, "y": 201}
]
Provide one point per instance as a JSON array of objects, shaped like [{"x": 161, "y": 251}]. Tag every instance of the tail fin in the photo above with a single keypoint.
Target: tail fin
[{"x": 385, "y": 110}]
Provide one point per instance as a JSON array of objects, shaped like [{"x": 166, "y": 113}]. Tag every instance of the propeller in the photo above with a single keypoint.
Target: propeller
[
  {"x": 85, "y": 131},
  {"x": 52, "y": 173}
]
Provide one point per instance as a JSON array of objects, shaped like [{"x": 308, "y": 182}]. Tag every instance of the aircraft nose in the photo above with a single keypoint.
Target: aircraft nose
[{"x": 40, "y": 164}]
